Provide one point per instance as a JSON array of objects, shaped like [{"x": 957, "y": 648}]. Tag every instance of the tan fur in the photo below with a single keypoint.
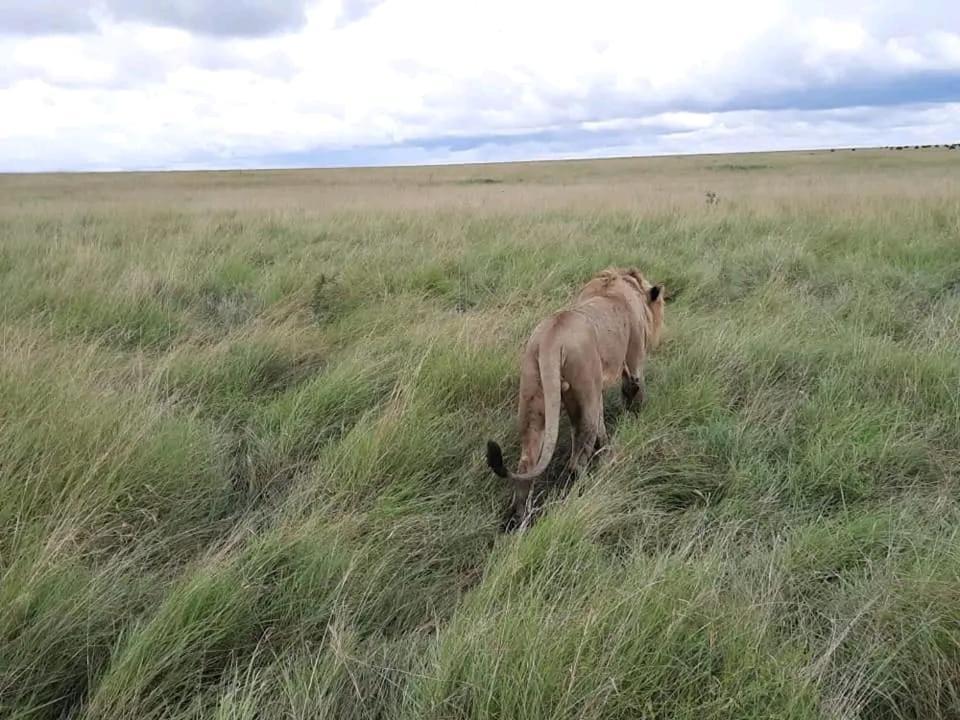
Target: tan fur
[{"x": 604, "y": 336}]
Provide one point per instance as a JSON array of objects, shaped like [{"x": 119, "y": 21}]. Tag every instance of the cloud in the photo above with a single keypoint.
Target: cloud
[
  {"x": 238, "y": 18},
  {"x": 860, "y": 89},
  {"x": 738, "y": 131},
  {"x": 379, "y": 81},
  {"x": 354, "y": 10},
  {"x": 39, "y": 17}
]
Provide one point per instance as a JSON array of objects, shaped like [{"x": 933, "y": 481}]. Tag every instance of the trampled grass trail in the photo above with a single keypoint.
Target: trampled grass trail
[{"x": 242, "y": 421}]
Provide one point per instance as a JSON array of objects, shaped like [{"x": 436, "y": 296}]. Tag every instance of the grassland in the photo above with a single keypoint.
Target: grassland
[{"x": 242, "y": 418}]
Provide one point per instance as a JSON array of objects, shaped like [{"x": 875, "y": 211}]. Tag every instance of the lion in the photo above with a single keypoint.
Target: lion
[{"x": 570, "y": 358}]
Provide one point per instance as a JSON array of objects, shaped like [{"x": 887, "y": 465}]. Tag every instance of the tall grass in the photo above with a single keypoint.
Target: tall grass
[{"x": 242, "y": 419}]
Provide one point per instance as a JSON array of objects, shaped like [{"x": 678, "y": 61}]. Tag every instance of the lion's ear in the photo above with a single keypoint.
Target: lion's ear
[{"x": 655, "y": 292}]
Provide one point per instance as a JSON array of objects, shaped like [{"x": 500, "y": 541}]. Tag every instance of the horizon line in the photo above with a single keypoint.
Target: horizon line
[{"x": 479, "y": 163}]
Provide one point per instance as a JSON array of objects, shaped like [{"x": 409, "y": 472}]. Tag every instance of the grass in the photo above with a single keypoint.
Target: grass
[{"x": 242, "y": 418}]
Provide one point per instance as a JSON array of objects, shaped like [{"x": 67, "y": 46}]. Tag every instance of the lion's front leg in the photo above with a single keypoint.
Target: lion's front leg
[
  {"x": 602, "y": 436},
  {"x": 633, "y": 385},
  {"x": 633, "y": 388}
]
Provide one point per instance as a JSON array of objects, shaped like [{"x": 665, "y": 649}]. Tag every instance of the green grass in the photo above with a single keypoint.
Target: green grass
[{"x": 242, "y": 418}]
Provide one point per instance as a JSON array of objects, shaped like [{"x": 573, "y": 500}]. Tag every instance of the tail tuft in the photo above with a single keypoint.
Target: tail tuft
[{"x": 495, "y": 459}]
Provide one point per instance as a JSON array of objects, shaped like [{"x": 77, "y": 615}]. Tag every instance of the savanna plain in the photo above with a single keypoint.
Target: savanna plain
[{"x": 243, "y": 416}]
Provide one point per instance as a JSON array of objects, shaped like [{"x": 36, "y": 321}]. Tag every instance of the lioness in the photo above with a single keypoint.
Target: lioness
[{"x": 570, "y": 358}]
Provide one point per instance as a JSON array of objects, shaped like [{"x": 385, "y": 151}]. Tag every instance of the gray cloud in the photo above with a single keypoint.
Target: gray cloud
[
  {"x": 731, "y": 132},
  {"x": 44, "y": 17},
  {"x": 353, "y": 10},
  {"x": 857, "y": 90},
  {"x": 239, "y": 18},
  {"x": 567, "y": 113}
]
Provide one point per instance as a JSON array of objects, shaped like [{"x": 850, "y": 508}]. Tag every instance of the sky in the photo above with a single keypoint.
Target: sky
[{"x": 187, "y": 84}]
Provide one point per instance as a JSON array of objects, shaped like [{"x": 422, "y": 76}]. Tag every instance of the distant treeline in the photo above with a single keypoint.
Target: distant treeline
[{"x": 944, "y": 146}]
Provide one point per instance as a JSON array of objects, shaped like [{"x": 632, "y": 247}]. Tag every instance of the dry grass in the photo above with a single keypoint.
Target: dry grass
[{"x": 761, "y": 182}]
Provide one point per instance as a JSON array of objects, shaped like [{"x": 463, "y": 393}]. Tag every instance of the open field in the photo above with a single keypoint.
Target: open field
[{"x": 242, "y": 420}]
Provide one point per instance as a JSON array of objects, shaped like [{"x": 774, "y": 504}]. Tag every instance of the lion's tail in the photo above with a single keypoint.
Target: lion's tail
[{"x": 550, "y": 383}]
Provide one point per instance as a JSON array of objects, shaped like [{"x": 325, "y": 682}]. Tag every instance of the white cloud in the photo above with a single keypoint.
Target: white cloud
[{"x": 393, "y": 78}]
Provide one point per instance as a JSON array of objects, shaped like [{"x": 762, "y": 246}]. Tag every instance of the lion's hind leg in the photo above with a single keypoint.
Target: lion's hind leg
[
  {"x": 588, "y": 425},
  {"x": 532, "y": 423},
  {"x": 571, "y": 403}
]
